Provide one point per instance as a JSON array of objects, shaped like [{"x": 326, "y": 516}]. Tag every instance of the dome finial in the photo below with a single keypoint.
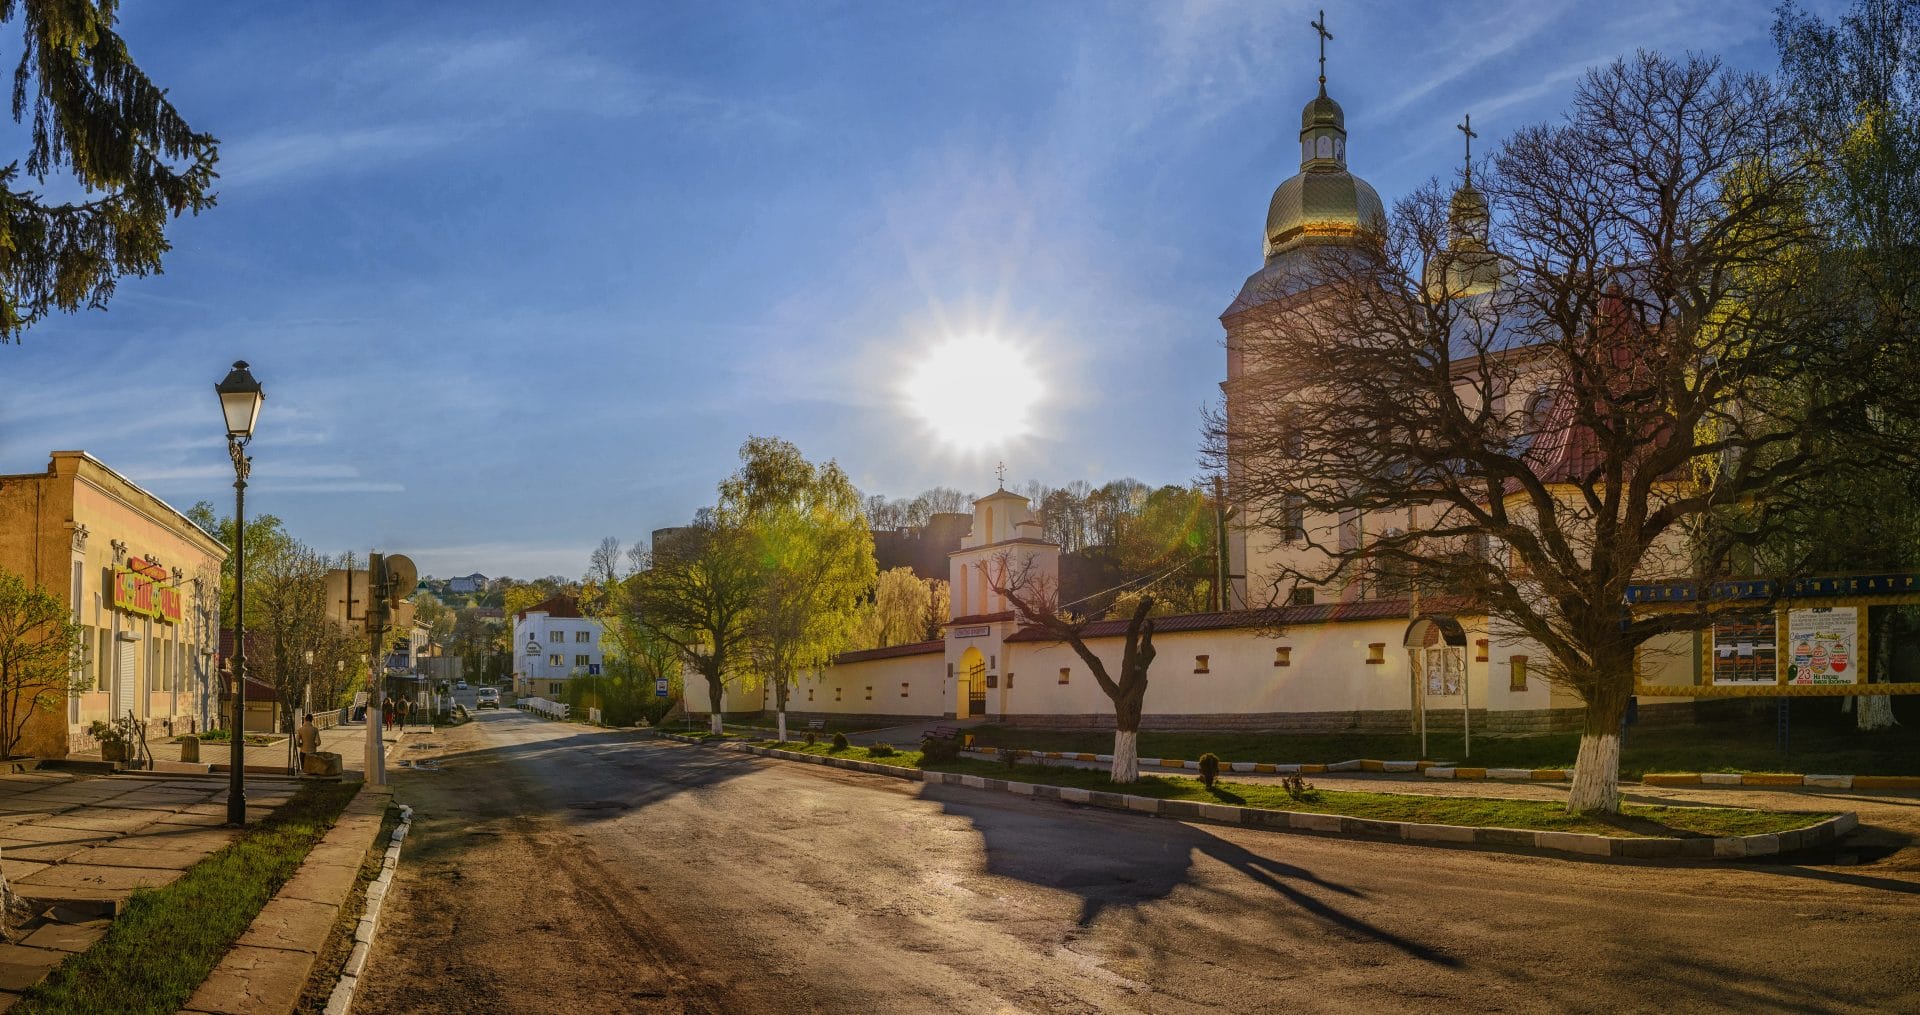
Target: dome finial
[
  {"x": 1320, "y": 26},
  {"x": 1465, "y": 127}
]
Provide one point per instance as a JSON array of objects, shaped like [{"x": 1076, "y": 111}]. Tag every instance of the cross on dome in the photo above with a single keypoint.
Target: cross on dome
[
  {"x": 1320, "y": 27},
  {"x": 1465, "y": 127}
]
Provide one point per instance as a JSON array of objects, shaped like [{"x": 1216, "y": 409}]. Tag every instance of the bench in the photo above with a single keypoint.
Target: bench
[{"x": 816, "y": 724}]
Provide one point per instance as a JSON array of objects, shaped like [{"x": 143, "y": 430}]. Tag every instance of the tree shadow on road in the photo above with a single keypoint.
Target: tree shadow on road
[{"x": 1114, "y": 861}]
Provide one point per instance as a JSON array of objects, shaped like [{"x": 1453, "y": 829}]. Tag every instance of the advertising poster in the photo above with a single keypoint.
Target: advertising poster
[
  {"x": 1745, "y": 647},
  {"x": 1444, "y": 665},
  {"x": 1823, "y": 646}
]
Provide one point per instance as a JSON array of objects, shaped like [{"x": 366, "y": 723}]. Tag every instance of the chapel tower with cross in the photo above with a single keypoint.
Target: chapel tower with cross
[{"x": 1319, "y": 211}]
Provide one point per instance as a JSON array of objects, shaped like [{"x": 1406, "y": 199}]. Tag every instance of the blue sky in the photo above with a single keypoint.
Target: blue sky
[{"x": 519, "y": 276}]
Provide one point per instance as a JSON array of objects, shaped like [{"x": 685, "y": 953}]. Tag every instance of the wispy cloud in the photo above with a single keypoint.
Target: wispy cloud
[{"x": 291, "y": 155}]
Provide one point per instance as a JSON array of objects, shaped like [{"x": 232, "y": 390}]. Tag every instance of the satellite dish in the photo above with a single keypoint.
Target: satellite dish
[{"x": 402, "y": 576}]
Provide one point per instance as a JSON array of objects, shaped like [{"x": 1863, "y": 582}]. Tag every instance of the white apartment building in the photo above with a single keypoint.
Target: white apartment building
[{"x": 552, "y": 643}]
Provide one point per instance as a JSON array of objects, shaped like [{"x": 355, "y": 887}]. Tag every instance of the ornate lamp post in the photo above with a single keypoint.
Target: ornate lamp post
[{"x": 240, "y": 398}]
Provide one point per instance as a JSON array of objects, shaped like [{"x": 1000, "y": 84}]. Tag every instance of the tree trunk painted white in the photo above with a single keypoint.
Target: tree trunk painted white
[
  {"x": 713, "y": 722},
  {"x": 1875, "y": 712},
  {"x": 1596, "y": 775},
  {"x": 1126, "y": 756},
  {"x": 783, "y": 725}
]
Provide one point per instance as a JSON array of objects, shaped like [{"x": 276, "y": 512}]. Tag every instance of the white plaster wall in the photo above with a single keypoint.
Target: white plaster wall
[
  {"x": 1327, "y": 671},
  {"x": 842, "y": 689}
]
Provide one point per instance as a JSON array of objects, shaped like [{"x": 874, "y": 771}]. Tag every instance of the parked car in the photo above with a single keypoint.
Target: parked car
[{"x": 489, "y": 697}]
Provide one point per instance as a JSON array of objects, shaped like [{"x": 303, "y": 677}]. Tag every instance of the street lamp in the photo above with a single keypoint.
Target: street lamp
[{"x": 240, "y": 398}]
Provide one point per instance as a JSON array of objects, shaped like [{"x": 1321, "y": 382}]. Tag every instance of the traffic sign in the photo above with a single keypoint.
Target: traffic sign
[{"x": 660, "y": 688}]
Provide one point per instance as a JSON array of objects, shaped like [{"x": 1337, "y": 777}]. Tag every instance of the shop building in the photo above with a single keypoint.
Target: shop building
[{"x": 144, "y": 584}]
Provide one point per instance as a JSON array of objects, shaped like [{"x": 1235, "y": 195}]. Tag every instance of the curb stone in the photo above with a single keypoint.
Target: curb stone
[
  {"x": 1578, "y": 845},
  {"x": 341, "y": 1000},
  {"x": 1462, "y": 772}
]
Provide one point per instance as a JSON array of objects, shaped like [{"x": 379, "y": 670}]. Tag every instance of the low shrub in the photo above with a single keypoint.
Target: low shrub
[
  {"x": 1298, "y": 788},
  {"x": 839, "y": 741},
  {"x": 812, "y": 738},
  {"x": 936, "y": 749},
  {"x": 1209, "y": 769},
  {"x": 880, "y": 751},
  {"x": 1010, "y": 757}
]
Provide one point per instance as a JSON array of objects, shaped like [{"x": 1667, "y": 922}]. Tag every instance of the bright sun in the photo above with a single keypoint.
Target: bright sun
[{"x": 975, "y": 393}]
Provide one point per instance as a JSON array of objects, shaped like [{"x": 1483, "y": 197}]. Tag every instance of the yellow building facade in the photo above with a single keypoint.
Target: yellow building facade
[{"x": 144, "y": 584}]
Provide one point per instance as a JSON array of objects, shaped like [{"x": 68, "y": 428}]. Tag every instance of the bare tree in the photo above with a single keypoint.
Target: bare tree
[
  {"x": 1628, "y": 404},
  {"x": 1035, "y": 598}
]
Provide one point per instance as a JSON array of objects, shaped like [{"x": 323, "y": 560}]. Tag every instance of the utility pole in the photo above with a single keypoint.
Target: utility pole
[{"x": 376, "y": 669}]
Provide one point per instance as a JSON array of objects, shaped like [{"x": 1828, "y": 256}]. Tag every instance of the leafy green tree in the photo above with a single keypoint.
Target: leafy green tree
[
  {"x": 97, "y": 117},
  {"x": 698, "y": 598},
  {"x": 38, "y": 646},
  {"x": 267, "y": 537},
  {"x": 815, "y": 553},
  {"x": 898, "y": 613},
  {"x": 1856, "y": 90}
]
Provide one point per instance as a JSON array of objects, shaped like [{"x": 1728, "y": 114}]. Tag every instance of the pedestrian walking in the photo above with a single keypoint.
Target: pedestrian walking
[
  {"x": 388, "y": 712},
  {"x": 309, "y": 740}
]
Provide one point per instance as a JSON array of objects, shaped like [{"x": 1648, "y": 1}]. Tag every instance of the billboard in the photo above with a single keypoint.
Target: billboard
[
  {"x": 1745, "y": 649},
  {"x": 1823, "y": 646}
]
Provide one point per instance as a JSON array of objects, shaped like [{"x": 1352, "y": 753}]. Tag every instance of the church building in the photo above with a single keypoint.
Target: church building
[{"x": 1358, "y": 655}]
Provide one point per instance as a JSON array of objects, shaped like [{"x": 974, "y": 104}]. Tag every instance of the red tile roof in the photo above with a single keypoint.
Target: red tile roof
[
  {"x": 562, "y": 606},
  {"x": 918, "y": 648},
  {"x": 1282, "y": 616}
]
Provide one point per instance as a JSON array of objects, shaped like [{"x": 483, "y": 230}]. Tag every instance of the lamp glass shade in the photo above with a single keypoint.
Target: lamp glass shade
[{"x": 240, "y": 399}]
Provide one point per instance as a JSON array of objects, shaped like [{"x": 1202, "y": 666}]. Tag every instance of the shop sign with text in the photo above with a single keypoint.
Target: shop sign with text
[{"x": 139, "y": 588}]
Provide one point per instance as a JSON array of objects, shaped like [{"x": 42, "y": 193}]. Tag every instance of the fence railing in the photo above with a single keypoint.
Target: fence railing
[{"x": 542, "y": 706}]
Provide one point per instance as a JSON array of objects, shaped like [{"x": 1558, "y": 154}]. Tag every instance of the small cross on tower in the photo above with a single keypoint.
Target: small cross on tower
[
  {"x": 1001, "y": 472},
  {"x": 1320, "y": 26},
  {"x": 1465, "y": 127}
]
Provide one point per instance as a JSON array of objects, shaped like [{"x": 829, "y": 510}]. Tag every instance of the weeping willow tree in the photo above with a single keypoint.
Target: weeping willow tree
[{"x": 95, "y": 117}]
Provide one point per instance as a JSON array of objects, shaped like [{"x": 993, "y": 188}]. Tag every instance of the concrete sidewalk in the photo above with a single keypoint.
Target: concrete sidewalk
[{"x": 78, "y": 846}]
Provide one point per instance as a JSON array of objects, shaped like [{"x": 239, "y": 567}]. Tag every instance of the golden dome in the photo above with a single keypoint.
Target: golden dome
[
  {"x": 1468, "y": 267},
  {"x": 1323, "y": 203}
]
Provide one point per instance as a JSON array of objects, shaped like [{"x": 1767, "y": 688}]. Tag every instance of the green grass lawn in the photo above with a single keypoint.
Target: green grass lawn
[
  {"x": 1818, "y": 744},
  {"x": 159, "y": 951},
  {"x": 1538, "y": 815}
]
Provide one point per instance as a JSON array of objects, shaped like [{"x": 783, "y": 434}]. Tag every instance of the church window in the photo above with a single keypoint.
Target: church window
[
  {"x": 1064, "y": 671},
  {"x": 836, "y": 694},
  {"x": 1295, "y": 521},
  {"x": 1283, "y": 656},
  {"x": 1323, "y": 147},
  {"x": 869, "y": 692},
  {"x": 1306, "y": 149},
  {"x": 1480, "y": 651},
  {"x": 1517, "y": 673},
  {"x": 1340, "y": 148},
  {"x": 1200, "y": 664},
  {"x": 1009, "y": 680},
  {"x": 1376, "y": 653},
  {"x": 809, "y": 694},
  {"x": 903, "y": 688},
  {"x": 1301, "y": 597}
]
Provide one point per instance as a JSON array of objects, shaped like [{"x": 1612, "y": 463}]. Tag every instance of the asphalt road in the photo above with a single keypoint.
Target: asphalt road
[{"x": 558, "y": 868}]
